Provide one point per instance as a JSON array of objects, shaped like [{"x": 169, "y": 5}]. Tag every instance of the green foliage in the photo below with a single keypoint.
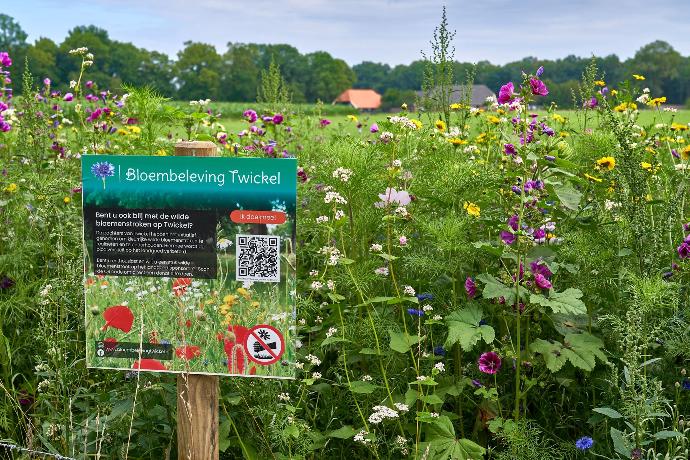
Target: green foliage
[
  {"x": 464, "y": 328},
  {"x": 580, "y": 349}
]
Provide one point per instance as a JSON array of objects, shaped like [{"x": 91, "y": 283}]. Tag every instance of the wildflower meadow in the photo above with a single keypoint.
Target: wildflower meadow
[{"x": 508, "y": 281}]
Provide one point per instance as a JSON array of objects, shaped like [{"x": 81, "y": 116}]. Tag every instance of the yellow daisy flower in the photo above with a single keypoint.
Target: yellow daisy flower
[
  {"x": 472, "y": 209},
  {"x": 607, "y": 162},
  {"x": 638, "y": 77}
]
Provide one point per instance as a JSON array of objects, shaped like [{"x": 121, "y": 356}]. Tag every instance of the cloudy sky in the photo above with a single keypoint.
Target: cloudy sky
[{"x": 391, "y": 31}]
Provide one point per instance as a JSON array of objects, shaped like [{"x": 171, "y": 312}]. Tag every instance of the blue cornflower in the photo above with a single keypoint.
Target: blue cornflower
[
  {"x": 439, "y": 351},
  {"x": 584, "y": 443},
  {"x": 425, "y": 296},
  {"x": 415, "y": 312},
  {"x": 103, "y": 169}
]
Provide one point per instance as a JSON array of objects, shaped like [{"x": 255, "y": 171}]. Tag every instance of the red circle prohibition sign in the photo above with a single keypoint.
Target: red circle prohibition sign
[{"x": 261, "y": 344}]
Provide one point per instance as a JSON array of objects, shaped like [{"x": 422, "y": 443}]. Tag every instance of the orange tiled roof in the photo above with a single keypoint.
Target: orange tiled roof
[{"x": 361, "y": 98}]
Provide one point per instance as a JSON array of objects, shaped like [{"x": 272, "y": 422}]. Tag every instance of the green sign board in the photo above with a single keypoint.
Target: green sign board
[{"x": 190, "y": 264}]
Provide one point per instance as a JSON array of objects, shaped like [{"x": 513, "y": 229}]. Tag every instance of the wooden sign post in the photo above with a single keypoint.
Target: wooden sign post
[{"x": 197, "y": 395}]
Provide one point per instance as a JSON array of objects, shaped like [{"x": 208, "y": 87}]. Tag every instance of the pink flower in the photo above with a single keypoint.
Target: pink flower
[
  {"x": 277, "y": 118},
  {"x": 46, "y": 81},
  {"x": 506, "y": 93},
  {"x": 507, "y": 237},
  {"x": 89, "y": 84},
  {"x": 538, "y": 87},
  {"x": 401, "y": 198},
  {"x": 68, "y": 97},
  {"x": 489, "y": 362},
  {"x": 402, "y": 240},
  {"x": 324, "y": 122},
  {"x": 470, "y": 288},
  {"x": 374, "y": 128},
  {"x": 542, "y": 282},
  {"x": 5, "y": 60},
  {"x": 250, "y": 115}
]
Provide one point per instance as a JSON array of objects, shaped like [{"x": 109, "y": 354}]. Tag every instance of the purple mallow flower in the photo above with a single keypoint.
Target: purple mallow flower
[
  {"x": 507, "y": 237},
  {"x": 470, "y": 288},
  {"x": 538, "y": 87},
  {"x": 509, "y": 149},
  {"x": 489, "y": 362},
  {"x": 506, "y": 93},
  {"x": 250, "y": 115},
  {"x": 542, "y": 282},
  {"x": 5, "y": 60},
  {"x": 684, "y": 250}
]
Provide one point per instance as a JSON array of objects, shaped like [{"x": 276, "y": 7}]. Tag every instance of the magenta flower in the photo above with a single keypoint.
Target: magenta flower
[
  {"x": 489, "y": 362},
  {"x": 509, "y": 149},
  {"x": 542, "y": 282},
  {"x": 69, "y": 97},
  {"x": 89, "y": 84},
  {"x": 470, "y": 288},
  {"x": 324, "y": 122},
  {"x": 684, "y": 251},
  {"x": 538, "y": 267},
  {"x": 507, "y": 237},
  {"x": 506, "y": 93},
  {"x": 513, "y": 222},
  {"x": 5, "y": 60},
  {"x": 538, "y": 87},
  {"x": 250, "y": 115},
  {"x": 46, "y": 81},
  {"x": 374, "y": 128},
  {"x": 278, "y": 119}
]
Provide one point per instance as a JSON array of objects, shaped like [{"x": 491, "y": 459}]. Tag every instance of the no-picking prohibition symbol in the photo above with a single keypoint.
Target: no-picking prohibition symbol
[{"x": 264, "y": 345}]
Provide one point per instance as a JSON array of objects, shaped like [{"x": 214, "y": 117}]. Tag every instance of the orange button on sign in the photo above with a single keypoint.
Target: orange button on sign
[{"x": 240, "y": 216}]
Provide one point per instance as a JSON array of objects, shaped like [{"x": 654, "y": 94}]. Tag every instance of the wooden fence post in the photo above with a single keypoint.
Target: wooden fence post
[{"x": 197, "y": 395}]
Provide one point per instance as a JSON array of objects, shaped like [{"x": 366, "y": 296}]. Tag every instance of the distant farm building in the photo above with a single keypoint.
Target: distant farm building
[
  {"x": 458, "y": 96},
  {"x": 360, "y": 99}
]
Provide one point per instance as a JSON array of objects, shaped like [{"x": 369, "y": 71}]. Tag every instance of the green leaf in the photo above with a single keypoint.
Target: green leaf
[
  {"x": 361, "y": 387},
  {"x": 375, "y": 300},
  {"x": 493, "y": 289},
  {"x": 620, "y": 444},
  {"x": 402, "y": 342},
  {"x": 667, "y": 434},
  {"x": 431, "y": 399},
  {"x": 369, "y": 351},
  {"x": 336, "y": 297},
  {"x": 567, "y": 302},
  {"x": 387, "y": 256},
  {"x": 464, "y": 328},
  {"x": 443, "y": 443},
  {"x": 580, "y": 349},
  {"x": 569, "y": 196},
  {"x": 397, "y": 300},
  {"x": 607, "y": 411},
  {"x": 343, "y": 432}
]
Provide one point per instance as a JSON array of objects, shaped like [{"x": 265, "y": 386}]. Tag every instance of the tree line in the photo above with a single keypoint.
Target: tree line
[{"x": 200, "y": 71}]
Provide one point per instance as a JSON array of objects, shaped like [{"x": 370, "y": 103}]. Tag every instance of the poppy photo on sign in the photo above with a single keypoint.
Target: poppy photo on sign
[{"x": 190, "y": 264}]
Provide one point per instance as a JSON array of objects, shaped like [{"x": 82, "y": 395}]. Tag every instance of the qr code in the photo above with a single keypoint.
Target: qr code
[{"x": 258, "y": 258}]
